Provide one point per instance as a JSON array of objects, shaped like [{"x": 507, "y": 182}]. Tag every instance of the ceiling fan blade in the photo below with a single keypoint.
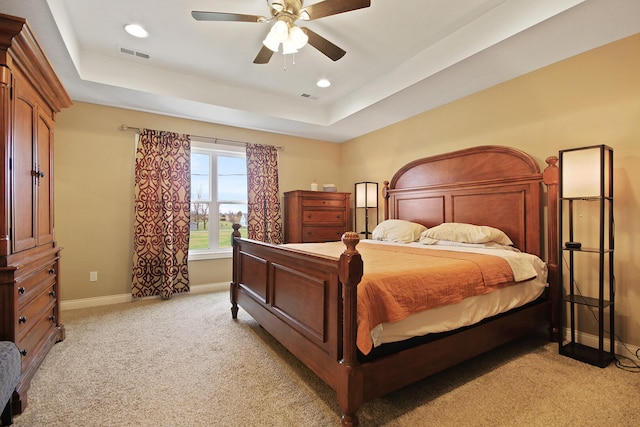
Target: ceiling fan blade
[
  {"x": 324, "y": 45},
  {"x": 263, "y": 56},
  {"x": 231, "y": 17},
  {"x": 333, "y": 7}
]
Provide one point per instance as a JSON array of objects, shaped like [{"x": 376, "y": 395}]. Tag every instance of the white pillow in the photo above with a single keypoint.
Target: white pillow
[
  {"x": 466, "y": 233},
  {"x": 398, "y": 230}
]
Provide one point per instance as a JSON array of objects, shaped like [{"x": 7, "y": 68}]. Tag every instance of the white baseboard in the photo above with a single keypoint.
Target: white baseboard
[
  {"x": 120, "y": 298},
  {"x": 591, "y": 340}
]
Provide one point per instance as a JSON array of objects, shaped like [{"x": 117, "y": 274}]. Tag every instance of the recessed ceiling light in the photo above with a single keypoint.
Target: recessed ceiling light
[
  {"x": 323, "y": 83},
  {"x": 136, "y": 31}
]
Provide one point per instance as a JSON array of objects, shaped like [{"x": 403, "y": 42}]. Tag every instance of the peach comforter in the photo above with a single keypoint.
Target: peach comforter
[{"x": 400, "y": 281}]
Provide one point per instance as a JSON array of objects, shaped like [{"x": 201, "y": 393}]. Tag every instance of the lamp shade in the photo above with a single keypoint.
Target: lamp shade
[
  {"x": 298, "y": 37},
  {"x": 288, "y": 47},
  {"x": 366, "y": 195},
  {"x": 271, "y": 43},
  {"x": 279, "y": 31},
  {"x": 586, "y": 172}
]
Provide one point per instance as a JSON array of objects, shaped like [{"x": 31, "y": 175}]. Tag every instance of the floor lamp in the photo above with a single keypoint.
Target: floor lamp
[{"x": 366, "y": 194}]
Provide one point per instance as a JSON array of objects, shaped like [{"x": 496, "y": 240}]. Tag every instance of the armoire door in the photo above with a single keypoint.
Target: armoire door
[
  {"x": 22, "y": 170},
  {"x": 44, "y": 183},
  {"x": 32, "y": 210}
]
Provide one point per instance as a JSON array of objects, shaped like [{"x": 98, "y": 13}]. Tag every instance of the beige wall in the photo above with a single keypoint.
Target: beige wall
[
  {"x": 593, "y": 98},
  {"x": 94, "y": 164}
]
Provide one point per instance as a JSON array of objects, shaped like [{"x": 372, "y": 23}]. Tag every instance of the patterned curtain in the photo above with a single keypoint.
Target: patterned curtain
[
  {"x": 263, "y": 209},
  {"x": 162, "y": 205}
]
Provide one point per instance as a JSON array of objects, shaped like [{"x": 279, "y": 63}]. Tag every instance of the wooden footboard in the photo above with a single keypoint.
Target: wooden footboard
[{"x": 300, "y": 299}]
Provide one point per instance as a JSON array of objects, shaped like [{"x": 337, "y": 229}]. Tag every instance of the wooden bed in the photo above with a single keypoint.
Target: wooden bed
[{"x": 308, "y": 302}]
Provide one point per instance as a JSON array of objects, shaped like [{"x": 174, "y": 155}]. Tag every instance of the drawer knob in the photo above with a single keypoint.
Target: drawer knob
[
  {"x": 52, "y": 271},
  {"x": 22, "y": 319},
  {"x": 52, "y": 319},
  {"x": 52, "y": 294},
  {"x": 21, "y": 290},
  {"x": 23, "y": 352}
]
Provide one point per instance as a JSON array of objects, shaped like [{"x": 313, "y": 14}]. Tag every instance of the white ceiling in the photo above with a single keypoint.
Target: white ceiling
[{"x": 403, "y": 57}]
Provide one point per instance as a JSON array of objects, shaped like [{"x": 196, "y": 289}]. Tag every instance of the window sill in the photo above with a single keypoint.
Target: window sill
[{"x": 202, "y": 255}]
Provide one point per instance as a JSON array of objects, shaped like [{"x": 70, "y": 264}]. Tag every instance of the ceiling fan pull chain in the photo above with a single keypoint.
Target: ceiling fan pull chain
[{"x": 284, "y": 60}]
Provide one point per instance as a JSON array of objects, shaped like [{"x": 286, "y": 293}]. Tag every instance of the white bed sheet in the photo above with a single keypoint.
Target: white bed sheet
[{"x": 473, "y": 309}]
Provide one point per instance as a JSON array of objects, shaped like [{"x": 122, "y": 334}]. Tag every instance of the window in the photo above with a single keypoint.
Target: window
[{"x": 218, "y": 198}]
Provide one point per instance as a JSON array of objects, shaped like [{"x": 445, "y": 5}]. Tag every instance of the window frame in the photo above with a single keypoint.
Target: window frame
[{"x": 214, "y": 150}]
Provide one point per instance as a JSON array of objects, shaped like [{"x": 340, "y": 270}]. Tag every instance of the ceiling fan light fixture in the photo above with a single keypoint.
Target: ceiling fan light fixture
[
  {"x": 304, "y": 15},
  {"x": 298, "y": 37},
  {"x": 271, "y": 43},
  {"x": 288, "y": 47},
  {"x": 279, "y": 31}
]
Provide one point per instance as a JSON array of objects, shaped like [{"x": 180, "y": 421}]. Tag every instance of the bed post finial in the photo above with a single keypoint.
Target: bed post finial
[
  {"x": 236, "y": 230},
  {"x": 350, "y": 240},
  {"x": 350, "y": 270}
]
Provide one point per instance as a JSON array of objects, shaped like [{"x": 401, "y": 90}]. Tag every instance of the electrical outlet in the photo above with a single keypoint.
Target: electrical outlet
[{"x": 93, "y": 276}]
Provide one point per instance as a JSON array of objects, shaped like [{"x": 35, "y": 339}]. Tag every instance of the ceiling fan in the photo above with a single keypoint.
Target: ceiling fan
[{"x": 285, "y": 13}]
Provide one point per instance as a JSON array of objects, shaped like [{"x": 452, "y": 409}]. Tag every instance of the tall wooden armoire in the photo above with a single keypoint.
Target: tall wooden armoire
[{"x": 30, "y": 96}]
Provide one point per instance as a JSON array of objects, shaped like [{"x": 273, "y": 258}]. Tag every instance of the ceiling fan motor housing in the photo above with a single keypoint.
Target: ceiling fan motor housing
[{"x": 291, "y": 7}]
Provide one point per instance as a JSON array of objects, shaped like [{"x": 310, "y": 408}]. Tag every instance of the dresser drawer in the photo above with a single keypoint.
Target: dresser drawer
[
  {"x": 40, "y": 306},
  {"x": 322, "y": 234},
  {"x": 39, "y": 331},
  {"x": 330, "y": 203},
  {"x": 323, "y": 217},
  {"x": 29, "y": 287}
]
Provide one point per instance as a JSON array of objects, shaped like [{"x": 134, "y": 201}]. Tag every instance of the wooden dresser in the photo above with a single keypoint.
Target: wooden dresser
[
  {"x": 30, "y": 96},
  {"x": 315, "y": 216}
]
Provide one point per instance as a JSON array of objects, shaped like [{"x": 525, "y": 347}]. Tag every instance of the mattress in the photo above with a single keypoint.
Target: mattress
[
  {"x": 445, "y": 307},
  {"x": 473, "y": 309}
]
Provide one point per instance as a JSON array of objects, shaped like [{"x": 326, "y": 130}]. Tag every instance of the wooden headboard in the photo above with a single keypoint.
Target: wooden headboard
[{"x": 486, "y": 185}]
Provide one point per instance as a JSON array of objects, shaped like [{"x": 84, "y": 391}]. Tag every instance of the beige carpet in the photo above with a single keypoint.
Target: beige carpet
[{"x": 184, "y": 362}]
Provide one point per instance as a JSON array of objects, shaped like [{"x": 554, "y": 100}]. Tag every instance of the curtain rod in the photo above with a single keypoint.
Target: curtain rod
[{"x": 205, "y": 138}]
